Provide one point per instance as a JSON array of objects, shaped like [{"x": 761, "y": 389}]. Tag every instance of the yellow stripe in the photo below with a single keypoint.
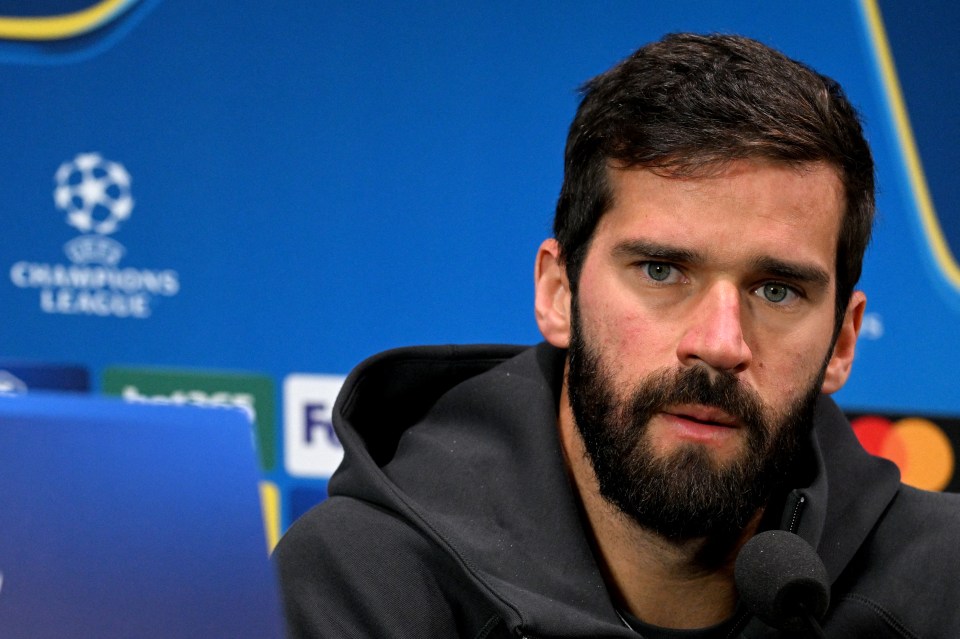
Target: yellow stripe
[
  {"x": 59, "y": 27},
  {"x": 270, "y": 505},
  {"x": 918, "y": 182}
]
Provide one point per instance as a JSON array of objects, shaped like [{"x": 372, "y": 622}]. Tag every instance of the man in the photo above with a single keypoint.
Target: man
[{"x": 698, "y": 304}]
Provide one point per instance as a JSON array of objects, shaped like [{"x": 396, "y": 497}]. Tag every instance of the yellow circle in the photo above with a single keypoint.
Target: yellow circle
[{"x": 930, "y": 459}]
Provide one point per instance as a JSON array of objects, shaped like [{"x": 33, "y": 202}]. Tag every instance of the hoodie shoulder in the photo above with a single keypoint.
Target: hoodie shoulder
[
  {"x": 905, "y": 572},
  {"x": 351, "y": 569}
]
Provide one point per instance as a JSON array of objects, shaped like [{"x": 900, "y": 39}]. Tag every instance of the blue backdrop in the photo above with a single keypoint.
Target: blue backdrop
[{"x": 195, "y": 190}]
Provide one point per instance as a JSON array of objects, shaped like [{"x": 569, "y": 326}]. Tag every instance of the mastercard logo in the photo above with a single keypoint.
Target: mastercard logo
[{"x": 918, "y": 446}]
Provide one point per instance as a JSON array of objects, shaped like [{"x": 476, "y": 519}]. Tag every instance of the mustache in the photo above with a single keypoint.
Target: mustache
[{"x": 697, "y": 385}]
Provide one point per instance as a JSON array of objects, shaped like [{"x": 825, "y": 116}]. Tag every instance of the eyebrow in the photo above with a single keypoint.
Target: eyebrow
[
  {"x": 631, "y": 249},
  {"x": 801, "y": 273}
]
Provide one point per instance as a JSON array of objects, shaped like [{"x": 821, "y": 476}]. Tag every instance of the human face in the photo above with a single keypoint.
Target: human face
[
  {"x": 732, "y": 271},
  {"x": 684, "y": 494},
  {"x": 730, "y": 274}
]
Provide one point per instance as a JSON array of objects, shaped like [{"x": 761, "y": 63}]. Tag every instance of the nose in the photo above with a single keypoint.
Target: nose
[{"x": 714, "y": 331}]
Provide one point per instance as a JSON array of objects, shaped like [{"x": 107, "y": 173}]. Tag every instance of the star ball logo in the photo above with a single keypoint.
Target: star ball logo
[{"x": 95, "y": 194}]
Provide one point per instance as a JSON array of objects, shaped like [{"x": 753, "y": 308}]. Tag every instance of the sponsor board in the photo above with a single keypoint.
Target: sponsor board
[
  {"x": 95, "y": 194},
  {"x": 19, "y": 377},
  {"x": 254, "y": 394},
  {"x": 923, "y": 448},
  {"x": 311, "y": 448}
]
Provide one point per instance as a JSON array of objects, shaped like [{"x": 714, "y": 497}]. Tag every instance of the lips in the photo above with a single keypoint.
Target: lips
[
  {"x": 707, "y": 415},
  {"x": 698, "y": 424}
]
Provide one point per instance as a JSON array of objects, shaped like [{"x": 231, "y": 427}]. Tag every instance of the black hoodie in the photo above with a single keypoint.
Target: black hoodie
[{"x": 452, "y": 515}]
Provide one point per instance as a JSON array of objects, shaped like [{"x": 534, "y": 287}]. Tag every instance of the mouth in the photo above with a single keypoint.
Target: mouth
[
  {"x": 700, "y": 424},
  {"x": 706, "y": 415}
]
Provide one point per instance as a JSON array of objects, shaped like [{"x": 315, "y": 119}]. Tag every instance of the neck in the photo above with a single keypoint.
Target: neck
[{"x": 668, "y": 583}]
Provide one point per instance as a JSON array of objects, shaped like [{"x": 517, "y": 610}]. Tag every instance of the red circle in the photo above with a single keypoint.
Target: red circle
[
  {"x": 879, "y": 437},
  {"x": 872, "y": 431}
]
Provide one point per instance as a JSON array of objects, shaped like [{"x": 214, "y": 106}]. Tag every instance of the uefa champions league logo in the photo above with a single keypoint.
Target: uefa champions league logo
[
  {"x": 95, "y": 195},
  {"x": 94, "y": 192}
]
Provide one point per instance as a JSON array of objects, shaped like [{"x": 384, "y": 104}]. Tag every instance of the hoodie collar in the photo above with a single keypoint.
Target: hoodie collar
[{"x": 848, "y": 494}]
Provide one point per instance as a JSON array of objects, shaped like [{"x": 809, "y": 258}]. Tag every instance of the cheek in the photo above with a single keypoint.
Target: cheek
[
  {"x": 610, "y": 324},
  {"x": 613, "y": 321},
  {"x": 789, "y": 373},
  {"x": 628, "y": 333},
  {"x": 630, "y": 342}
]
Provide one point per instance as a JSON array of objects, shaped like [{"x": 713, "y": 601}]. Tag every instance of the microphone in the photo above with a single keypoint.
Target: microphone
[{"x": 783, "y": 582}]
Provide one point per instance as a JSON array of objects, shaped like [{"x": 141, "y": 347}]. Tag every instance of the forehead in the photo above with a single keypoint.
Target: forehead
[{"x": 754, "y": 207}]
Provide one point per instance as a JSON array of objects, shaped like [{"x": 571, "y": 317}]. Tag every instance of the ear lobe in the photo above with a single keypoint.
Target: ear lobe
[
  {"x": 841, "y": 361},
  {"x": 552, "y": 299}
]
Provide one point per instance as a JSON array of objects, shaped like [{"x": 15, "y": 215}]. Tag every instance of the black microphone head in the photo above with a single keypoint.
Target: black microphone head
[{"x": 781, "y": 580}]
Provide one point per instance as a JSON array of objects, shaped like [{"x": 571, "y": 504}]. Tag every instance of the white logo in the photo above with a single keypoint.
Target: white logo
[
  {"x": 310, "y": 447},
  {"x": 10, "y": 383},
  {"x": 872, "y": 326},
  {"x": 221, "y": 399},
  {"x": 95, "y": 194}
]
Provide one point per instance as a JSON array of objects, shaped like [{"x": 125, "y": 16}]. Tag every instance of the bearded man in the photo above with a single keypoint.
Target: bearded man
[{"x": 698, "y": 304}]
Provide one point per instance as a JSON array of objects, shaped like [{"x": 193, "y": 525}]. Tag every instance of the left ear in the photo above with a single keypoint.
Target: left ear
[
  {"x": 838, "y": 368},
  {"x": 552, "y": 299}
]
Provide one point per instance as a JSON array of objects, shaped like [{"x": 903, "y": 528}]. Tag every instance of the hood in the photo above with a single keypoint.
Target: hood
[{"x": 461, "y": 441}]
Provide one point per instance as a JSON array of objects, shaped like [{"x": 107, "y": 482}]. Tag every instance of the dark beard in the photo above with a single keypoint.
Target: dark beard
[{"x": 686, "y": 494}]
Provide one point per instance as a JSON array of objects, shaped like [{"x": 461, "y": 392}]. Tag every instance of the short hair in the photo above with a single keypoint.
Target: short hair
[{"x": 691, "y": 102}]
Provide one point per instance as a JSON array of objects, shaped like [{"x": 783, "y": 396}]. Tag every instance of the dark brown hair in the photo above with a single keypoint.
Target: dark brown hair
[{"x": 692, "y": 102}]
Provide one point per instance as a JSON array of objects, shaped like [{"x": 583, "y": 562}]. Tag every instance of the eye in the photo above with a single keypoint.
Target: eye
[
  {"x": 660, "y": 271},
  {"x": 776, "y": 293}
]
